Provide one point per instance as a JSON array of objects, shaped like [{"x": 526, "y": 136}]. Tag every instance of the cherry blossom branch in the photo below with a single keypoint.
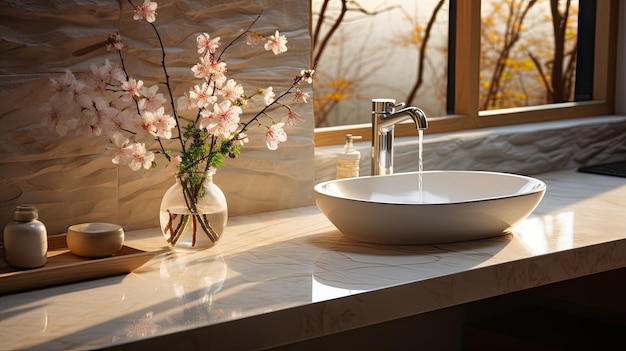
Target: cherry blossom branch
[
  {"x": 206, "y": 140},
  {"x": 167, "y": 84},
  {"x": 210, "y": 55},
  {"x": 158, "y": 139},
  {"x": 295, "y": 83},
  {"x": 240, "y": 35},
  {"x": 119, "y": 53},
  {"x": 262, "y": 112}
]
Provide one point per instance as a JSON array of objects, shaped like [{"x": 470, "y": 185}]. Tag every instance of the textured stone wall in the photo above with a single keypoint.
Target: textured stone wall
[
  {"x": 528, "y": 149},
  {"x": 69, "y": 179}
]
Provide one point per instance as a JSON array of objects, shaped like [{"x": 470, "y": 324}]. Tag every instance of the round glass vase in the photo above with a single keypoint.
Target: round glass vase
[{"x": 193, "y": 211}]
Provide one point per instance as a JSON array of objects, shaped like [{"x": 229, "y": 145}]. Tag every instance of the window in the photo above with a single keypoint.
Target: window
[
  {"x": 591, "y": 90},
  {"x": 527, "y": 53},
  {"x": 378, "y": 49}
]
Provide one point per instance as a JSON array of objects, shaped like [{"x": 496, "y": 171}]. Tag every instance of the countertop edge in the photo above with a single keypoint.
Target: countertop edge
[{"x": 300, "y": 323}]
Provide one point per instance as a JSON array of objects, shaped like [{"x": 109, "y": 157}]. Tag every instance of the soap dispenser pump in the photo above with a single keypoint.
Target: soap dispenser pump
[{"x": 348, "y": 160}]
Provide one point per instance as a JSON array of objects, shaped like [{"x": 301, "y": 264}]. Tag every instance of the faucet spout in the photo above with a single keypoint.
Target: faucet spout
[
  {"x": 384, "y": 119},
  {"x": 417, "y": 115}
]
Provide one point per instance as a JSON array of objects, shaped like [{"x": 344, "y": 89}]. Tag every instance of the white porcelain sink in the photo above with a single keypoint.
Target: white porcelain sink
[{"x": 454, "y": 206}]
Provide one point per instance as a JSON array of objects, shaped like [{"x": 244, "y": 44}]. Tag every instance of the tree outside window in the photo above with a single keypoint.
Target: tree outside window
[{"x": 397, "y": 49}]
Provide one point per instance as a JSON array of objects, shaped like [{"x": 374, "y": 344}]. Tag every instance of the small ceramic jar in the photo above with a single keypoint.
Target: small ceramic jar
[
  {"x": 26, "y": 239},
  {"x": 95, "y": 240}
]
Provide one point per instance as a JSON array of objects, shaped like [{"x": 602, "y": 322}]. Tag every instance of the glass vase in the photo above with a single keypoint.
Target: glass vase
[{"x": 193, "y": 211}]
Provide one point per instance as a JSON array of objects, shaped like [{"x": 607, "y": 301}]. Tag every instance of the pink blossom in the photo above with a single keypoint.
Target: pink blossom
[
  {"x": 67, "y": 90},
  {"x": 151, "y": 100},
  {"x": 209, "y": 67},
  {"x": 128, "y": 119},
  {"x": 60, "y": 117},
  {"x": 307, "y": 75},
  {"x": 61, "y": 83},
  {"x": 293, "y": 118},
  {"x": 223, "y": 120},
  {"x": 300, "y": 95},
  {"x": 102, "y": 116},
  {"x": 232, "y": 91},
  {"x": 146, "y": 11},
  {"x": 219, "y": 78},
  {"x": 254, "y": 39},
  {"x": 107, "y": 72},
  {"x": 107, "y": 102},
  {"x": 165, "y": 124},
  {"x": 202, "y": 69},
  {"x": 205, "y": 43},
  {"x": 217, "y": 69},
  {"x": 185, "y": 102},
  {"x": 131, "y": 153},
  {"x": 275, "y": 135},
  {"x": 115, "y": 123},
  {"x": 203, "y": 95},
  {"x": 276, "y": 43},
  {"x": 103, "y": 75},
  {"x": 122, "y": 149},
  {"x": 140, "y": 157},
  {"x": 102, "y": 72},
  {"x": 147, "y": 124},
  {"x": 268, "y": 96},
  {"x": 114, "y": 42},
  {"x": 132, "y": 87},
  {"x": 158, "y": 123}
]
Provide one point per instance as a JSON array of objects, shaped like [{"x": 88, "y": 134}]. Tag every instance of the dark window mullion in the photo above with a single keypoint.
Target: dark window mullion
[
  {"x": 450, "y": 96},
  {"x": 585, "y": 51}
]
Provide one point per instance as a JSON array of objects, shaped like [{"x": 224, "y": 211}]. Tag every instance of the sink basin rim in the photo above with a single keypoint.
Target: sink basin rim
[{"x": 536, "y": 186}]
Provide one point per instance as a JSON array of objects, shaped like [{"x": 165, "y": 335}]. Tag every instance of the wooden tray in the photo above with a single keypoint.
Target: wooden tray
[{"x": 64, "y": 267}]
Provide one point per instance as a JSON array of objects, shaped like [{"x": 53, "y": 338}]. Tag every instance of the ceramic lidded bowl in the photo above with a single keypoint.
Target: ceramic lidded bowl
[{"x": 95, "y": 240}]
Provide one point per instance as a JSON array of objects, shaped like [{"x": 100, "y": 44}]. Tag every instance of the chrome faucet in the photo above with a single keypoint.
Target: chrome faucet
[{"x": 384, "y": 119}]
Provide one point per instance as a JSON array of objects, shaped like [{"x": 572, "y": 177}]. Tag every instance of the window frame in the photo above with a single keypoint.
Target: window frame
[{"x": 467, "y": 115}]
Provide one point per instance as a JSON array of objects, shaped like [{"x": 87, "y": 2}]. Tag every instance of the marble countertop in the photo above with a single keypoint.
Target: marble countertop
[{"x": 280, "y": 277}]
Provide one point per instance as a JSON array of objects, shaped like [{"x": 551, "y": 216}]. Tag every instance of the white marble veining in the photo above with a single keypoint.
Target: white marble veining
[{"x": 289, "y": 275}]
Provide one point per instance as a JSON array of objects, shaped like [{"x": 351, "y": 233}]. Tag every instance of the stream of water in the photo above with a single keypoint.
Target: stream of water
[{"x": 420, "y": 167}]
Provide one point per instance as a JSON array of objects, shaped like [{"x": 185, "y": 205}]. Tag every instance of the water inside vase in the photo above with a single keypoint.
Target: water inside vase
[{"x": 185, "y": 230}]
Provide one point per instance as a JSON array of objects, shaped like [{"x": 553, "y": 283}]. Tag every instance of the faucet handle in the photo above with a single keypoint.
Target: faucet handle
[
  {"x": 384, "y": 106},
  {"x": 401, "y": 104}
]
